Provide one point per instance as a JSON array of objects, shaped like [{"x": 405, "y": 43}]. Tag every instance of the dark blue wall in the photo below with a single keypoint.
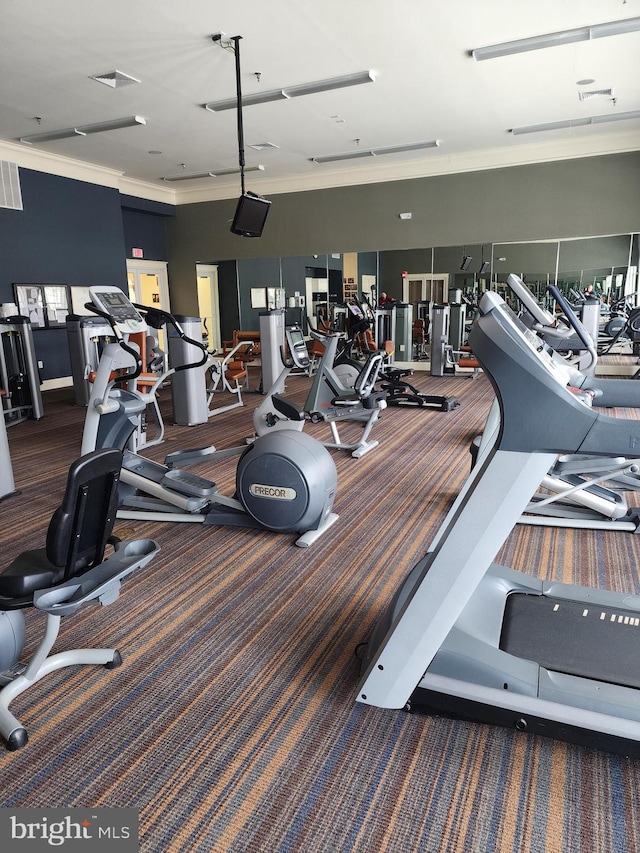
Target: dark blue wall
[
  {"x": 144, "y": 226},
  {"x": 144, "y": 231},
  {"x": 76, "y": 233}
]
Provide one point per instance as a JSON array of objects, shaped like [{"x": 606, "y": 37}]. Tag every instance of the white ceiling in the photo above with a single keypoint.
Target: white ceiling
[{"x": 427, "y": 87}]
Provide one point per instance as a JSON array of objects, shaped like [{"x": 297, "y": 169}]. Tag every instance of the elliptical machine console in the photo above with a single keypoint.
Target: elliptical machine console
[{"x": 285, "y": 482}]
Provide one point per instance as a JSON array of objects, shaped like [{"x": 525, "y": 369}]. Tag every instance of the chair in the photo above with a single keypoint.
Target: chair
[
  {"x": 64, "y": 575},
  {"x": 229, "y": 375},
  {"x": 419, "y": 338}
]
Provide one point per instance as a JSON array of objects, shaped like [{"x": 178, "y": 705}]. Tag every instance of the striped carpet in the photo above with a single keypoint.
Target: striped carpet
[{"x": 232, "y": 724}]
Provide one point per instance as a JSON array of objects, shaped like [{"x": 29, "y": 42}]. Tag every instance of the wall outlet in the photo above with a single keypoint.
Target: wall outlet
[{"x": 41, "y": 364}]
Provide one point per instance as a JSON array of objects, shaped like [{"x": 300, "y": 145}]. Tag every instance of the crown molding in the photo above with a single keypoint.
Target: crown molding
[
  {"x": 431, "y": 164},
  {"x": 66, "y": 167}
]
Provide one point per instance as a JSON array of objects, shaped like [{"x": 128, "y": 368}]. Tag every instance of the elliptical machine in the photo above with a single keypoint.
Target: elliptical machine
[
  {"x": 393, "y": 379},
  {"x": 329, "y": 400},
  {"x": 285, "y": 482}
]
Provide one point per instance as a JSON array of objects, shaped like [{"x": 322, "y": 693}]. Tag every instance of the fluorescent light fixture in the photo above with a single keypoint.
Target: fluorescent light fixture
[
  {"x": 584, "y": 121},
  {"x": 331, "y": 158},
  {"x": 332, "y": 83},
  {"x": 84, "y": 129},
  {"x": 287, "y": 92},
  {"x": 613, "y": 28},
  {"x": 376, "y": 152},
  {"x": 217, "y": 174}
]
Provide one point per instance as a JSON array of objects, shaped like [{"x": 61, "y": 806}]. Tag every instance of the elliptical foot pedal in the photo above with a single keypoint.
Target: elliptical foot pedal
[
  {"x": 189, "y": 484},
  {"x": 449, "y": 403},
  {"x": 189, "y": 457}
]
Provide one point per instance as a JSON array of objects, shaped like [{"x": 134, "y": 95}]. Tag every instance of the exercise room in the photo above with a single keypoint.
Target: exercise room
[{"x": 320, "y": 434}]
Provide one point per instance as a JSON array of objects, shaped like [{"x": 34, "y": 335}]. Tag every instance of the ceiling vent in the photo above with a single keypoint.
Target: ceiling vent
[
  {"x": 595, "y": 93},
  {"x": 115, "y": 79},
  {"x": 10, "y": 194},
  {"x": 264, "y": 146}
]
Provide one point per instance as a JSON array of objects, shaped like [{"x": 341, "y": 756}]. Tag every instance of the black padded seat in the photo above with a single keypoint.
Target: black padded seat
[
  {"x": 70, "y": 571},
  {"x": 29, "y": 572}
]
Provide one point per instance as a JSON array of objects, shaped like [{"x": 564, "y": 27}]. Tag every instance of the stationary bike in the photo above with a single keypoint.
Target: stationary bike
[
  {"x": 285, "y": 482},
  {"x": 58, "y": 579}
]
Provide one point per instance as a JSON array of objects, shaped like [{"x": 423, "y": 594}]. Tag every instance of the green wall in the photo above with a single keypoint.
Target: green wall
[{"x": 569, "y": 198}]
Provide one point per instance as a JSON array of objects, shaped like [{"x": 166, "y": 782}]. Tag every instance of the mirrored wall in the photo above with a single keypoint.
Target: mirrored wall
[{"x": 446, "y": 273}]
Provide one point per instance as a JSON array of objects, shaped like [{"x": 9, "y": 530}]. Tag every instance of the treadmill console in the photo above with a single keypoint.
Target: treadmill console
[
  {"x": 556, "y": 367},
  {"x": 297, "y": 347},
  {"x": 531, "y": 304},
  {"x": 110, "y": 300}
]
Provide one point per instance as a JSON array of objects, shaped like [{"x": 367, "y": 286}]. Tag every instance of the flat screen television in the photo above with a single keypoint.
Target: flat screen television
[{"x": 250, "y": 216}]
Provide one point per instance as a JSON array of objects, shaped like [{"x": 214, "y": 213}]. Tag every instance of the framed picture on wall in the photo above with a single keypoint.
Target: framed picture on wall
[
  {"x": 30, "y": 301},
  {"x": 258, "y": 297},
  {"x": 56, "y": 304},
  {"x": 79, "y": 298},
  {"x": 46, "y": 305}
]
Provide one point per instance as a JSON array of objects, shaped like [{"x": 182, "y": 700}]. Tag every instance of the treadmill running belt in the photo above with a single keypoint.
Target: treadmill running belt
[{"x": 574, "y": 637}]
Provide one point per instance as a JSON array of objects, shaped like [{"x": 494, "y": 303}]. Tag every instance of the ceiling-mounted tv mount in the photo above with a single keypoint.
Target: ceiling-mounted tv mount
[{"x": 252, "y": 209}]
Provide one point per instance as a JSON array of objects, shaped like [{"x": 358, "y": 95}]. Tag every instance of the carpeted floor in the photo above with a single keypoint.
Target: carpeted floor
[{"x": 232, "y": 724}]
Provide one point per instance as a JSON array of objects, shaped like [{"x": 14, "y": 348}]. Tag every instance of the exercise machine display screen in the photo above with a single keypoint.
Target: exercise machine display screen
[
  {"x": 297, "y": 346},
  {"x": 115, "y": 303},
  {"x": 554, "y": 366}
]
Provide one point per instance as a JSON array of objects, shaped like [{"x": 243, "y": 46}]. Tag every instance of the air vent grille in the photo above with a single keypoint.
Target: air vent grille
[
  {"x": 10, "y": 194},
  {"x": 115, "y": 79},
  {"x": 595, "y": 93}
]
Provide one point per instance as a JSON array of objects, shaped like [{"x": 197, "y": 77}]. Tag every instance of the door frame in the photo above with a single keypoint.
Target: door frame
[
  {"x": 136, "y": 266},
  {"x": 210, "y": 271}
]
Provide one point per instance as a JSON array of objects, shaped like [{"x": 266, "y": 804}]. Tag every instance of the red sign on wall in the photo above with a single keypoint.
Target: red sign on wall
[{"x": 137, "y": 253}]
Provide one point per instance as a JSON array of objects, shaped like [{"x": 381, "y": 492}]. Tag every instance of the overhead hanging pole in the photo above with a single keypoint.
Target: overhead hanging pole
[
  {"x": 252, "y": 209},
  {"x": 236, "y": 42}
]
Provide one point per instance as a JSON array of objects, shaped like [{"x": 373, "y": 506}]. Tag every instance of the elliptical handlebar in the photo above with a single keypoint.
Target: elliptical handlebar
[
  {"x": 575, "y": 324},
  {"x": 287, "y": 362},
  {"x": 156, "y": 318},
  {"x": 322, "y": 336}
]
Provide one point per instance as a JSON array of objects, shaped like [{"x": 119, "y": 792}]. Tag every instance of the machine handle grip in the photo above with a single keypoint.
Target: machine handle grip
[
  {"x": 576, "y": 325},
  {"x": 153, "y": 316}
]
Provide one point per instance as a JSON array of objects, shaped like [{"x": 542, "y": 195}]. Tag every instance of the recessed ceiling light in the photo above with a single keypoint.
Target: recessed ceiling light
[{"x": 586, "y": 82}]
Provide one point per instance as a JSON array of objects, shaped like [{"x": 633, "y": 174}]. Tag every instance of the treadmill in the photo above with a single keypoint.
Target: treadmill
[{"x": 467, "y": 638}]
